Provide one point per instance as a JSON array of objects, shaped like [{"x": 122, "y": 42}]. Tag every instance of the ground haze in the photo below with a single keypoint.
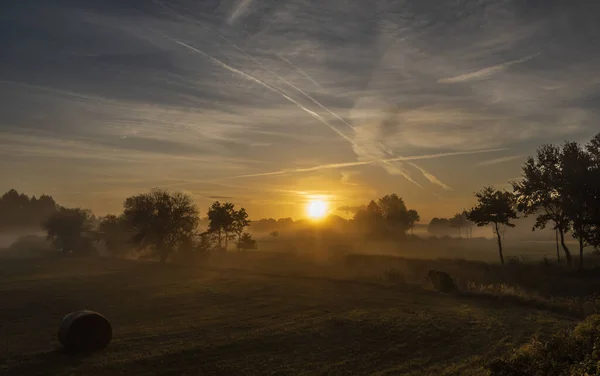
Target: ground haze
[{"x": 256, "y": 313}]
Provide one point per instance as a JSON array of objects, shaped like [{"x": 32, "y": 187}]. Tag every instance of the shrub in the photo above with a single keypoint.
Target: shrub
[
  {"x": 441, "y": 281},
  {"x": 575, "y": 353}
]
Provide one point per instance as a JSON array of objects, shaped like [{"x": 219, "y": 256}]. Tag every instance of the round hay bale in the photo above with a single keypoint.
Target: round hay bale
[
  {"x": 84, "y": 331},
  {"x": 441, "y": 281}
]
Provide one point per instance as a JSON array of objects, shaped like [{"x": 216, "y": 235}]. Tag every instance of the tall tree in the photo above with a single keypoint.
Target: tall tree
[
  {"x": 240, "y": 222},
  {"x": 540, "y": 193},
  {"x": 576, "y": 188},
  {"x": 496, "y": 208},
  {"x": 413, "y": 218},
  {"x": 161, "y": 220},
  {"x": 593, "y": 207},
  {"x": 221, "y": 222},
  {"x": 395, "y": 213},
  {"x": 70, "y": 230}
]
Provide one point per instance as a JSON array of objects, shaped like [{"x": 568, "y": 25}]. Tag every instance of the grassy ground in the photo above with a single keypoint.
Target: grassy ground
[{"x": 253, "y": 315}]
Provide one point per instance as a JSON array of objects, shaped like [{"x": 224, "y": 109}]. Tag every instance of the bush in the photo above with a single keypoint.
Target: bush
[
  {"x": 575, "y": 353},
  {"x": 441, "y": 281}
]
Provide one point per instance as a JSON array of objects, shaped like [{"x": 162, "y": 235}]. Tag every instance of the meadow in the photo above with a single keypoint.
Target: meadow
[{"x": 276, "y": 313}]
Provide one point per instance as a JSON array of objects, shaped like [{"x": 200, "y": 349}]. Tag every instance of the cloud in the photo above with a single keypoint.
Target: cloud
[
  {"x": 485, "y": 72},
  {"x": 432, "y": 179},
  {"x": 363, "y": 163},
  {"x": 495, "y": 161}
]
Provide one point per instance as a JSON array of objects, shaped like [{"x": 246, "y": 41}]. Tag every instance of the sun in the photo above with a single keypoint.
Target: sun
[{"x": 316, "y": 209}]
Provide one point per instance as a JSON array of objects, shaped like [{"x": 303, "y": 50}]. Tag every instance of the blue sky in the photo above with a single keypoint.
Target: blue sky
[{"x": 271, "y": 103}]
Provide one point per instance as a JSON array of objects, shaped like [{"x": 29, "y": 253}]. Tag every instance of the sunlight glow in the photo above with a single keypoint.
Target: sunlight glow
[{"x": 316, "y": 209}]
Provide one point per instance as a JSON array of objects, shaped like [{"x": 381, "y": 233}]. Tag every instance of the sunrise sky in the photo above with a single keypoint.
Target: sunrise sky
[{"x": 270, "y": 103}]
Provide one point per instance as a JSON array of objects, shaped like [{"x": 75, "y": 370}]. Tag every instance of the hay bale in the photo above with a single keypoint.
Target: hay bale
[
  {"x": 441, "y": 281},
  {"x": 84, "y": 331}
]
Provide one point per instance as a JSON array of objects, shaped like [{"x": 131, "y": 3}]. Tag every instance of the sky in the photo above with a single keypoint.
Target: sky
[{"x": 271, "y": 103}]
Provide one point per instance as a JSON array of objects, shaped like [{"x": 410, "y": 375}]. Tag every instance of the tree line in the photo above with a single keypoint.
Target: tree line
[
  {"x": 161, "y": 223},
  {"x": 458, "y": 224},
  {"x": 19, "y": 211},
  {"x": 560, "y": 186}
]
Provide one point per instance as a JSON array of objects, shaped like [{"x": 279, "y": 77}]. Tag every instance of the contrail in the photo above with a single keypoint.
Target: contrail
[
  {"x": 254, "y": 60},
  {"x": 265, "y": 85},
  {"x": 300, "y": 71},
  {"x": 281, "y": 92},
  {"x": 286, "y": 96},
  {"x": 363, "y": 163},
  {"x": 429, "y": 176}
]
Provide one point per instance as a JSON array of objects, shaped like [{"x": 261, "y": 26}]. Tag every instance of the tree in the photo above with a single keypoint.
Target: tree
[
  {"x": 116, "y": 234},
  {"x": 413, "y": 218},
  {"x": 438, "y": 226},
  {"x": 576, "y": 188},
  {"x": 593, "y": 197},
  {"x": 394, "y": 212},
  {"x": 246, "y": 242},
  {"x": 540, "y": 192},
  {"x": 370, "y": 219},
  {"x": 240, "y": 222},
  {"x": 161, "y": 220},
  {"x": 70, "y": 230},
  {"x": 17, "y": 210},
  {"x": 226, "y": 222},
  {"x": 221, "y": 219},
  {"x": 496, "y": 208},
  {"x": 459, "y": 221}
]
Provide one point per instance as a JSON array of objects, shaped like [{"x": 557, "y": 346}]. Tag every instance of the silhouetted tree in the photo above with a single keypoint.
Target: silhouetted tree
[
  {"x": 116, "y": 233},
  {"x": 496, "y": 208},
  {"x": 577, "y": 187},
  {"x": 17, "y": 210},
  {"x": 459, "y": 221},
  {"x": 541, "y": 192},
  {"x": 593, "y": 189},
  {"x": 413, "y": 218},
  {"x": 246, "y": 242},
  {"x": 70, "y": 230},
  {"x": 395, "y": 214},
  {"x": 439, "y": 226},
  {"x": 240, "y": 222},
  {"x": 161, "y": 220},
  {"x": 370, "y": 219},
  {"x": 221, "y": 217}
]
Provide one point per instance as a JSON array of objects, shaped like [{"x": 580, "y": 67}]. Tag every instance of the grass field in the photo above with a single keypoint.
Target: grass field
[{"x": 253, "y": 314}]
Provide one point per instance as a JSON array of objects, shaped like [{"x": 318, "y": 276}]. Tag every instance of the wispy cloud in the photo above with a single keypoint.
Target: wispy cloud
[
  {"x": 485, "y": 72},
  {"x": 496, "y": 161},
  {"x": 363, "y": 163},
  {"x": 432, "y": 179}
]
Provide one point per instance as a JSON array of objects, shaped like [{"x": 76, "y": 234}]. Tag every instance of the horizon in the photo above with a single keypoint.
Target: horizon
[{"x": 272, "y": 105}]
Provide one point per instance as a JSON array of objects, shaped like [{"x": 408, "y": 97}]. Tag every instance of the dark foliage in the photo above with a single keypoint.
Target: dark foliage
[
  {"x": 496, "y": 208},
  {"x": 17, "y": 210},
  {"x": 161, "y": 221},
  {"x": 575, "y": 353},
  {"x": 71, "y": 230}
]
